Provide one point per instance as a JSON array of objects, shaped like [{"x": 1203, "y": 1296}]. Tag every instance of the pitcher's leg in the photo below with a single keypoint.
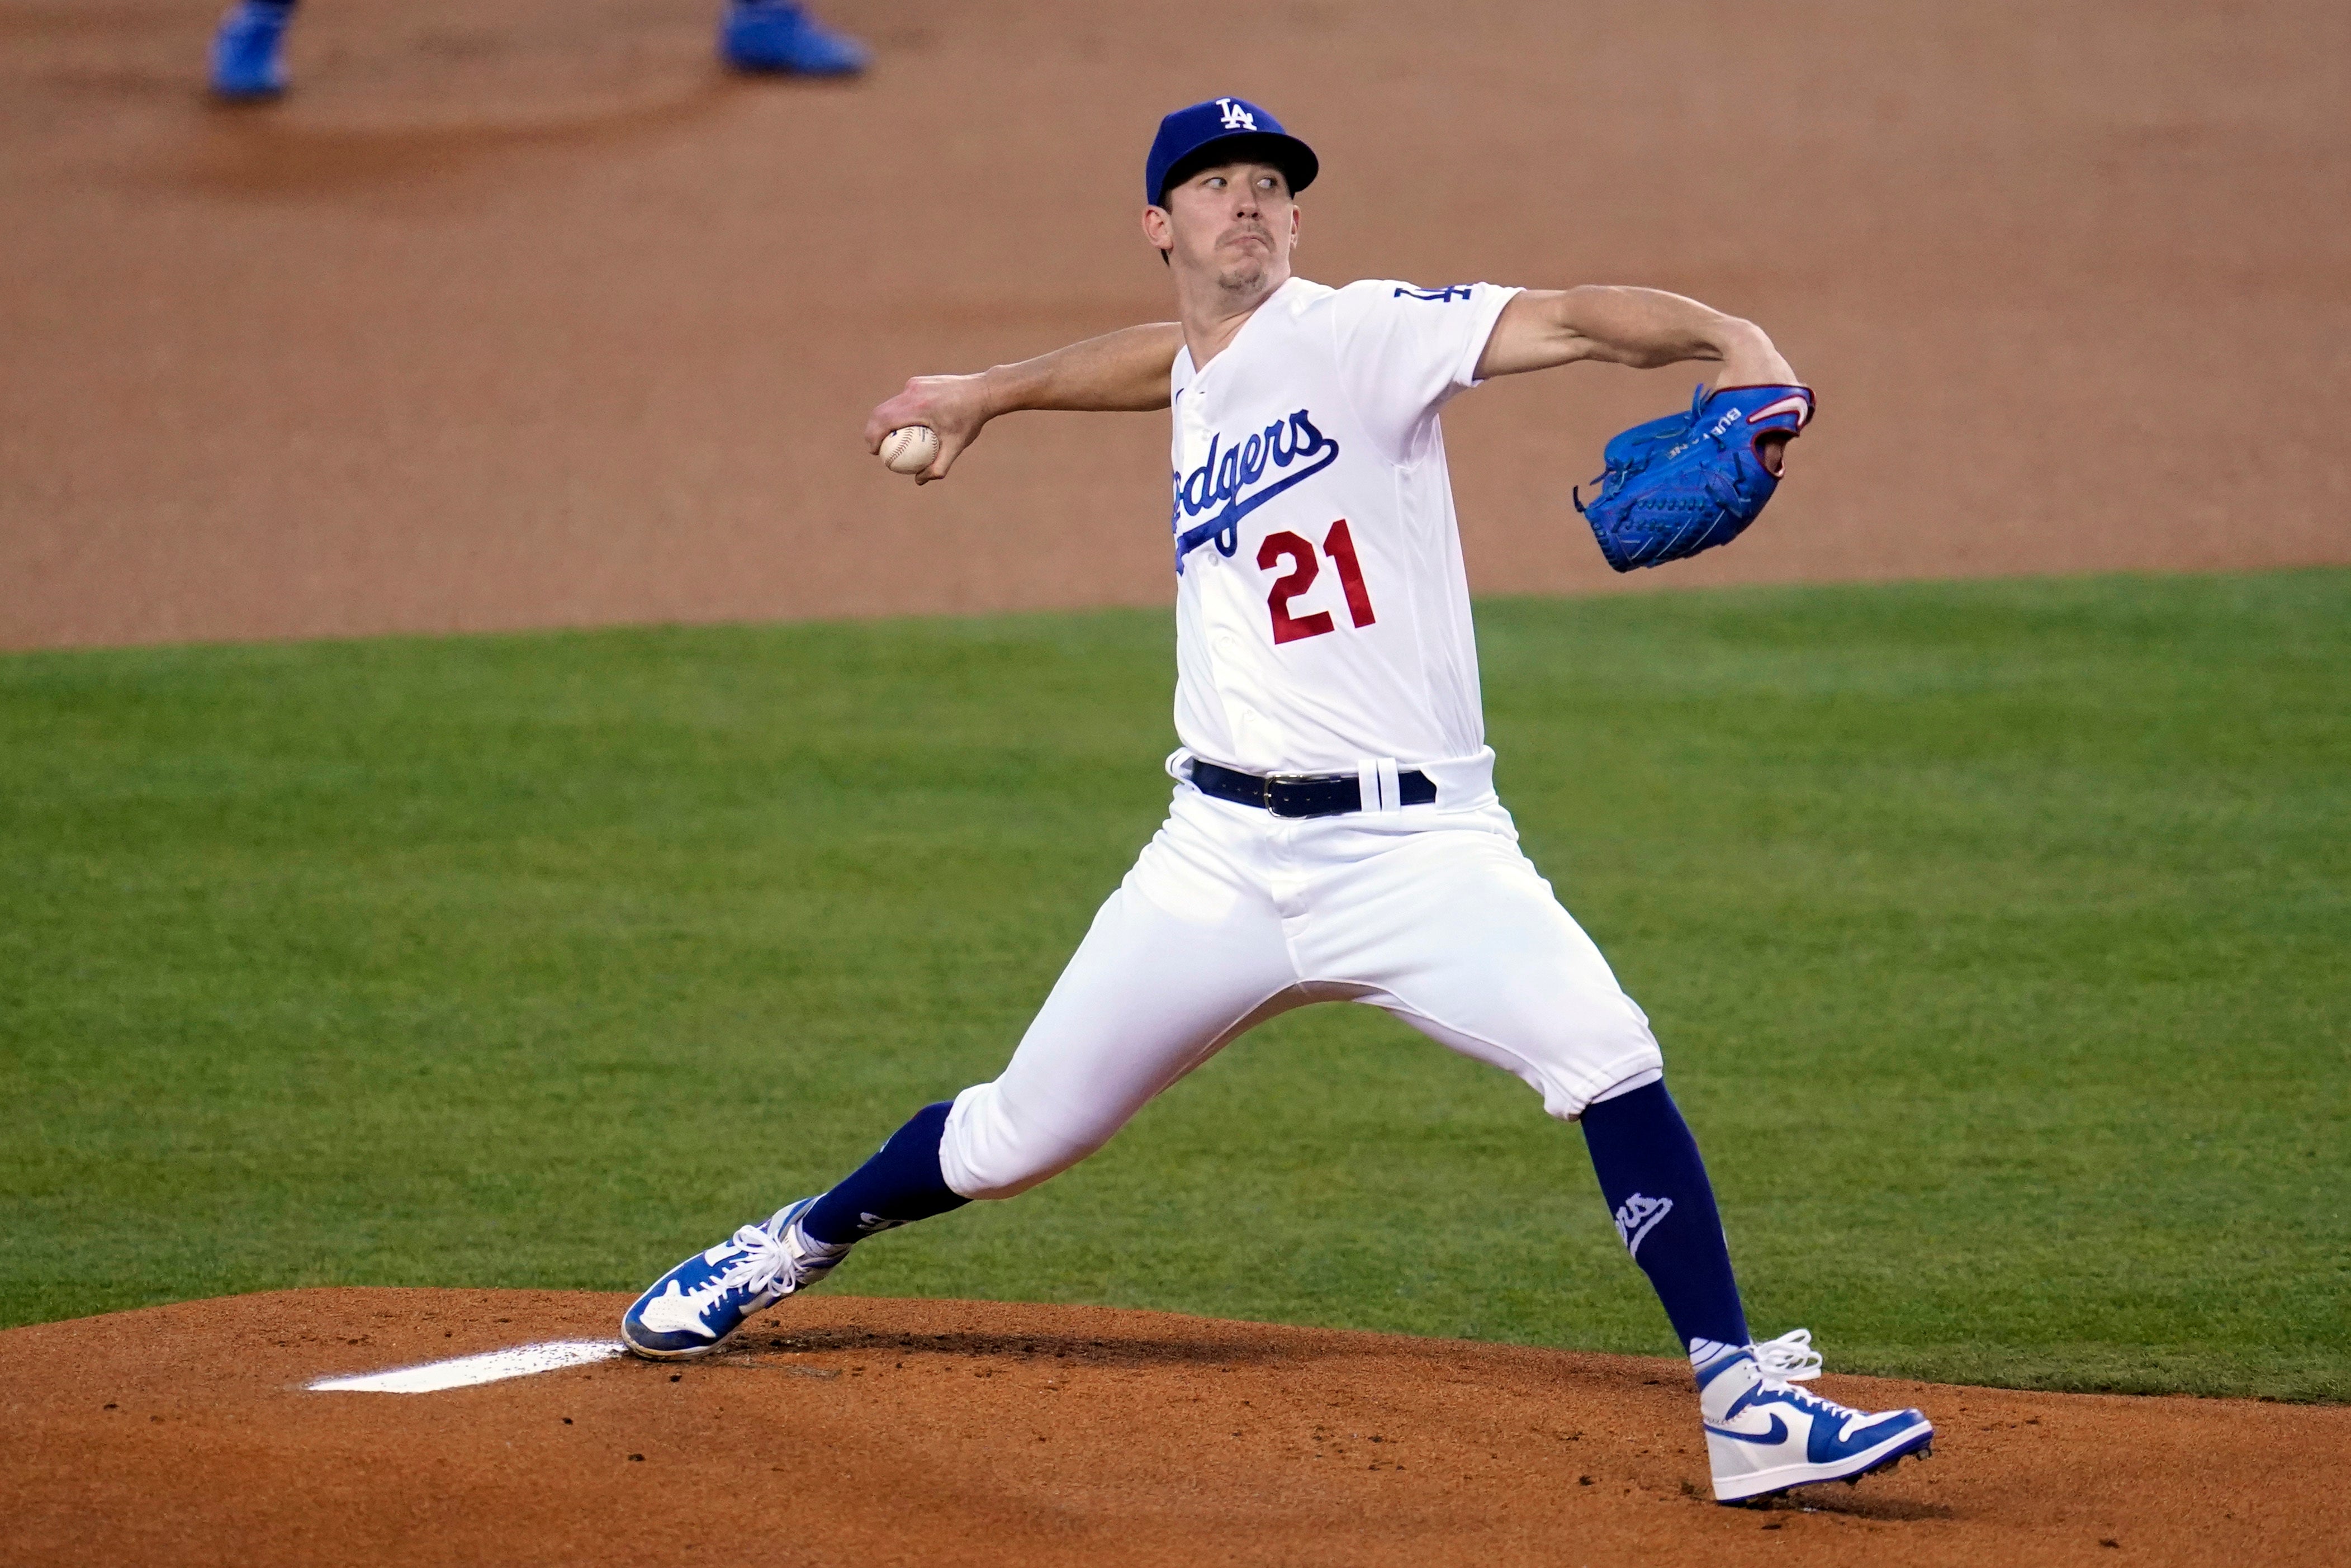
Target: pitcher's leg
[
  {"x": 1477, "y": 954},
  {"x": 1457, "y": 934},
  {"x": 1150, "y": 995},
  {"x": 1655, "y": 1187},
  {"x": 1186, "y": 955},
  {"x": 901, "y": 1184}
]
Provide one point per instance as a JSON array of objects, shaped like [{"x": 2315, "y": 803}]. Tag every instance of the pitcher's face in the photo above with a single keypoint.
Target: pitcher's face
[{"x": 1233, "y": 226}]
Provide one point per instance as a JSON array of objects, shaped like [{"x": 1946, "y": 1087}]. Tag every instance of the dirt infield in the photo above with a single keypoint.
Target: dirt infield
[
  {"x": 861, "y": 1432},
  {"x": 519, "y": 313}
]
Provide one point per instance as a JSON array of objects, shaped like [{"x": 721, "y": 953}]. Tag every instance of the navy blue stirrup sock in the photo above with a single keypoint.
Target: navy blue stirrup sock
[
  {"x": 897, "y": 1186},
  {"x": 1656, "y": 1186}
]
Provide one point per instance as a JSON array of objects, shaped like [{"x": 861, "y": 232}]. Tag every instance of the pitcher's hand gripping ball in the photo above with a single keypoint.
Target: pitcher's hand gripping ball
[
  {"x": 1691, "y": 481},
  {"x": 910, "y": 449}
]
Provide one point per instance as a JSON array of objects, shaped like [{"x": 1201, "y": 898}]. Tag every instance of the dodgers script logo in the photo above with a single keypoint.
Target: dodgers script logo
[
  {"x": 1216, "y": 486},
  {"x": 1636, "y": 1216}
]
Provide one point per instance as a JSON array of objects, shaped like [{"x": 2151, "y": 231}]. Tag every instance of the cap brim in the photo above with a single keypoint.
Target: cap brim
[{"x": 1292, "y": 157}]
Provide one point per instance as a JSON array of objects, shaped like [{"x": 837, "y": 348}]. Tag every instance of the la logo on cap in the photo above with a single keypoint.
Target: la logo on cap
[{"x": 1250, "y": 131}]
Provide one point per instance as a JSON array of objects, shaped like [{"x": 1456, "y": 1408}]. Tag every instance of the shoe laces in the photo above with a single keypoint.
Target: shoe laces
[
  {"x": 766, "y": 1259},
  {"x": 1790, "y": 1358},
  {"x": 772, "y": 1253}
]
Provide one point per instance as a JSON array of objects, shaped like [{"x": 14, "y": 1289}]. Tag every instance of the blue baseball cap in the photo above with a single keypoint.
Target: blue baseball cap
[{"x": 1223, "y": 130}]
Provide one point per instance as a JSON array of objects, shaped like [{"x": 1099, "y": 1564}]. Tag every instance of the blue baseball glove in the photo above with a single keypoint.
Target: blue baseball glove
[{"x": 1691, "y": 481}]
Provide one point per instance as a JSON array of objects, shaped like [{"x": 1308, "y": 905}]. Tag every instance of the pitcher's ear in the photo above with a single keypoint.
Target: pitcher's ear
[{"x": 1158, "y": 231}]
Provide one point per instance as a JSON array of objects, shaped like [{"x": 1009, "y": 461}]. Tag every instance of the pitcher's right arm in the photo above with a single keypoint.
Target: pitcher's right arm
[{"x": 1121, "y": 372}]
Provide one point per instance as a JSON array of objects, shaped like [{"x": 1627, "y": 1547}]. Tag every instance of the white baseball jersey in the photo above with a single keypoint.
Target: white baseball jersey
[
  {"x": 1323, "y": 615},
  {"x": 1322, "y": 626}
]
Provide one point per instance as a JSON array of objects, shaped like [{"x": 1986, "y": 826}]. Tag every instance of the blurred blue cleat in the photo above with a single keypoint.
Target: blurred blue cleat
[
  {"x": 246, "y": 64},
  {"x": 778, "y": 36}
]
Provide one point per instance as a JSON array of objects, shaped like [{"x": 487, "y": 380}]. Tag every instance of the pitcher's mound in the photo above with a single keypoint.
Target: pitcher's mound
[{"x": 864, "y": 1432}]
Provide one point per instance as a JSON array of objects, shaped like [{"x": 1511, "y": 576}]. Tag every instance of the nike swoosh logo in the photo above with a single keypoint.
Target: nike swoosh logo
[
  {"x": 1778, "y": 1434},
  {"x": 677, "y": 1311},
  {"x": 1800, "y": 407}
]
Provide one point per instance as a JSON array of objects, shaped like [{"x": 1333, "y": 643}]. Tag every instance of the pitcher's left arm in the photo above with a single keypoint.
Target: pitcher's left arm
[{"x": 1644, "y": 327}]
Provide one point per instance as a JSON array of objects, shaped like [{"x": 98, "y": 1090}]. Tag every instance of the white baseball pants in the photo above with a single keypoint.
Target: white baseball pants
[{"x": 1232, "y": 915}]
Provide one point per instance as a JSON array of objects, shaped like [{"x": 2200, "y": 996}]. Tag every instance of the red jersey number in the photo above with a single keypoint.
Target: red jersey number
[
  {"x": 1341, "y": 546},
  {"x": 1304, "y": 568}
]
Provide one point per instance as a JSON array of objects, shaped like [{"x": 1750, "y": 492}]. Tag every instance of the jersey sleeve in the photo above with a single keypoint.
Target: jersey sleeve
[{"x": 1404, "y": 351}]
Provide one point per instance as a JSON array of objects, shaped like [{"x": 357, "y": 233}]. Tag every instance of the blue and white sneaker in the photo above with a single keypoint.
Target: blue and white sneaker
[
  {"x": 777, "y": 36},
  {"x": 246, "y": 64},
  {"x": 691, "y": 1310},
  {"x": 1765, "y": 1434}
]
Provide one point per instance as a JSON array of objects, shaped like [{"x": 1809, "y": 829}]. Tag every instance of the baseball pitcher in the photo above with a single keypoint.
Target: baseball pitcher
[{"x": 1334, "y": 834}]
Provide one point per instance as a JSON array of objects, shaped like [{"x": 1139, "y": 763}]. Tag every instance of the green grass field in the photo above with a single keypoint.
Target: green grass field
[{"x": 1999, "y": 934}]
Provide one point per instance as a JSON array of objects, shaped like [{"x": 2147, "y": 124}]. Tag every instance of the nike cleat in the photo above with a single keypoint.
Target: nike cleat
[
  {"x": 246, "y": 64},
  {"x": 691, "y": 1310},
  {"x": 776, "y": 37},
  {"x": 1765, "y": 1435}
]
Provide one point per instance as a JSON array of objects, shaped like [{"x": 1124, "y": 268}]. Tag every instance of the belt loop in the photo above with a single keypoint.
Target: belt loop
[{"x": 1375, "y": 777}]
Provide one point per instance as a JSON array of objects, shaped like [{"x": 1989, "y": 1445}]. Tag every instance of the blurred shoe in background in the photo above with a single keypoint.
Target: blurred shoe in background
[
  {"x": 245, "y": 63},
  {"x": 778, "y": 36}
]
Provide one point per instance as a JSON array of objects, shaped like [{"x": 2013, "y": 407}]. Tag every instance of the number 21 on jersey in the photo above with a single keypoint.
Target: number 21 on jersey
[{"x": 1304, "y": 568}]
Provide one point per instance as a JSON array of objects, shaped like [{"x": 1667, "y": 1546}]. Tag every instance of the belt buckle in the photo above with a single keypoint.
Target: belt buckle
[{"x": 1273, "y": 779}]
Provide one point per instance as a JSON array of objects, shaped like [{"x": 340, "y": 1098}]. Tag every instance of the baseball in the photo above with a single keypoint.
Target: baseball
[{"x": 910, "y": 449}]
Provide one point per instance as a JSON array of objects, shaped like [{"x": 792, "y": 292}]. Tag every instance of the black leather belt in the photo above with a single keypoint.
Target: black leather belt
[{"x": 1304, "y": 794}]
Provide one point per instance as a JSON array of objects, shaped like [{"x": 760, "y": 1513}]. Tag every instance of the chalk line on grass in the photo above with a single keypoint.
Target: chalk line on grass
[{"x": 464, "y": 1371}]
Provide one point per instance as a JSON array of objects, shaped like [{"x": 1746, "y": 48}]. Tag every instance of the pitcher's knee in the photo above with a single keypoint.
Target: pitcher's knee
[
  {"x": 1570, "y": 1069},
  {"x": 990, "y": 1150}
]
